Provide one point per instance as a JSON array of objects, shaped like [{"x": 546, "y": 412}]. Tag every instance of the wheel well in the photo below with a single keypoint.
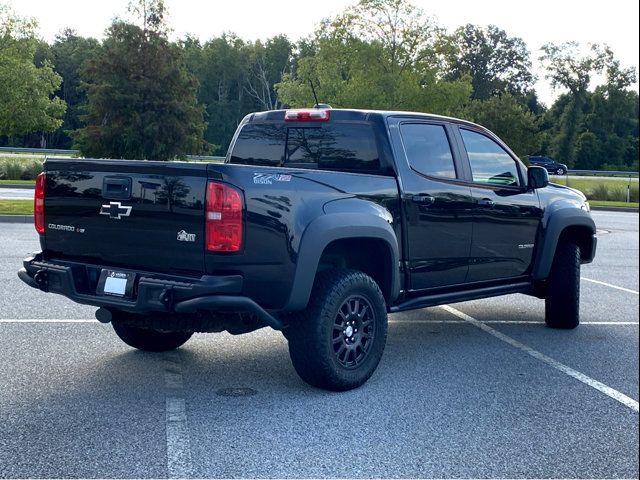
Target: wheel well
[
  {"x": 369, "y": 255},
  {"x": 581, "y": 236}
]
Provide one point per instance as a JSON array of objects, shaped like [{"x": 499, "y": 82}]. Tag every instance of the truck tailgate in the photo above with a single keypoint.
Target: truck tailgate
[{"x": 135, "y": 214}]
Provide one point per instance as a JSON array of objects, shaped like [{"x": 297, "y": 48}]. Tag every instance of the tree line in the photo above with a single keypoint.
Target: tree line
[{"x": 137, "y": 94}]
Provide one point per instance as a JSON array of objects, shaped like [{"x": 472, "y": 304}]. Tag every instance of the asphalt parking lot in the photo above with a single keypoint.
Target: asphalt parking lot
[{"x": 478, "y": 389}]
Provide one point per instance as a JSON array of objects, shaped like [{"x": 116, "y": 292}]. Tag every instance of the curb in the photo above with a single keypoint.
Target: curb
[
  {"x": 25, "y": 186},
  {"x": 16, "y": 218}
]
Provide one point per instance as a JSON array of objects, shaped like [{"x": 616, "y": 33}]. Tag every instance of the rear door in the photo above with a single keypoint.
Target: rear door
[
  {"x": 506, "y": 214},
  {"x": 144, "y": 215},
  {"x": 437, "y": 206}
]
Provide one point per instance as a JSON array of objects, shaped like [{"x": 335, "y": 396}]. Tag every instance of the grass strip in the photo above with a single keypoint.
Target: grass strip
[
  {"x": 17, "y": 182},
  {"x": 16, "y": 207},
  {"x": 605, "y": 203}
]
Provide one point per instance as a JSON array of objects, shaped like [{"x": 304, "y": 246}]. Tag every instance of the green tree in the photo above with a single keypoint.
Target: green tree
[
  {"x": 69, "y": 53},
  {"x": 496, "y": 62},
  {"x": 236, "y": 77},
  {"x": 568, "y": 68},
  {"x": 611, "y": 124},
  {"x": 591, "y": 129},
  {"x": 221, "y": 67},
  {"x": 141, "y": 100},
  {"x": 509, "y": 119},
  {"x": 27, "y": 103},
  {"x": 268, "y": 63},
  {"x": 384, "y": 54}
]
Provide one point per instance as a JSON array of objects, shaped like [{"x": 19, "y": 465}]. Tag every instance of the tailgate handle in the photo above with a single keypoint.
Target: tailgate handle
[{"x": 117, "y": 188}]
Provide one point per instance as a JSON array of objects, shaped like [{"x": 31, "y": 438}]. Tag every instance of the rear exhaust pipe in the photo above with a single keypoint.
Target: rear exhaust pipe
[{"x": 103, "y": 315}]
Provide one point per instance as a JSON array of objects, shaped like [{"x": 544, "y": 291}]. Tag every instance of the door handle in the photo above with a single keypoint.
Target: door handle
[
  {"x": 486, "y": 202},
  {"x": 424, "y": 199}
]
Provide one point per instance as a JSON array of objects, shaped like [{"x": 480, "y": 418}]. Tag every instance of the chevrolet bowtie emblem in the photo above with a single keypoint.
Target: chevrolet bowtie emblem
[{"x": 115, "y": 210}]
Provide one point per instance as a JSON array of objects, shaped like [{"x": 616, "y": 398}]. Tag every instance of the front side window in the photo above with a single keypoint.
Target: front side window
[
  {"x": 427, "y": 149},
  {"x": 490, "y": 163}
]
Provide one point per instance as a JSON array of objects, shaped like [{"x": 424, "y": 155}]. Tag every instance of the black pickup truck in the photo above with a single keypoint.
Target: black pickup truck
[{"x": 319, "y": 223}]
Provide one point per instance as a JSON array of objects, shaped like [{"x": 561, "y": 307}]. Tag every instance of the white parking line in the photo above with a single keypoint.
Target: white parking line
[
  {"x": 497, "y": 322},
  {"x": 46, "y": 320},
  {"x": 609, "y": 285},
  {"x": 177, "y": 429},
  {"x": 616, "y": 395},
  {"x": 506, "y": 322}
]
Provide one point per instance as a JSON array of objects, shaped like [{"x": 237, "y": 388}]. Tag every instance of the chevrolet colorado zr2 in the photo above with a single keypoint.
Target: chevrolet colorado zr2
[{"x": 319, "y": 223}]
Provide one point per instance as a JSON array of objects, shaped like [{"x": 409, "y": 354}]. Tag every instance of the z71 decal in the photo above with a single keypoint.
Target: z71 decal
[{"x": 269, "y": 178}]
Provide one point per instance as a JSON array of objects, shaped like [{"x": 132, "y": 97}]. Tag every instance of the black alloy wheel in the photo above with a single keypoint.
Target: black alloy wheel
[{"x": 353, "y": 331}]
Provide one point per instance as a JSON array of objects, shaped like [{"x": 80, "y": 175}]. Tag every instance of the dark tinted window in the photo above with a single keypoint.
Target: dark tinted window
[
  {"x": 259, "y": 144},
  {"x": 349, "y": 147},
  {"x": 539, "y": 159},
  {"x": 490, "y": 163},
  {"x": 428, "y": 149}
]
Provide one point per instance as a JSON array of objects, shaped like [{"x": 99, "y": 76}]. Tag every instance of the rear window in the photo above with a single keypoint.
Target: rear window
[
  {"x": 260, "y": 145},
  {"x": 343, "y": 147}
]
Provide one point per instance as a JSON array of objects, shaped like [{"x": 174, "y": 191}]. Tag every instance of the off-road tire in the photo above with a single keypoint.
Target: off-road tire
[
  {"x": 562, "y": 302},
  {"x": 149, "y": 340},
  {"x": 313, "y": 333}
]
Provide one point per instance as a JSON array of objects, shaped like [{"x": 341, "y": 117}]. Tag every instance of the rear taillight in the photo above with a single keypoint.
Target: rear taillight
[
  {"x": 223, "y": 221},
  {"x": 38, "y": 203}
]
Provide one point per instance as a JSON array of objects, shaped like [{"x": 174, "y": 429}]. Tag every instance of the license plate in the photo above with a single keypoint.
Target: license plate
[{"x": 113, "y": 282}]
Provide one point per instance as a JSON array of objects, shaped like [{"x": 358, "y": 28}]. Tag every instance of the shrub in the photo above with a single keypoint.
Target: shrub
[
  {"x": 598, "y": 192},
  {"x": 31, "y": 170},
  {"x": 607, "y": 192},
  {"x": 11, "y": 169}
]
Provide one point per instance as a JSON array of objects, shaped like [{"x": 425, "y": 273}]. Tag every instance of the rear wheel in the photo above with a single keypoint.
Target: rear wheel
[
  {"x": 149, "y": 340},
  {"x": 562, "y": 303},
  {"x": 337, "y": 342}
]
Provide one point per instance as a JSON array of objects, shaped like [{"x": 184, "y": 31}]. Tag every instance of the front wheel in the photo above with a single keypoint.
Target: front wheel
[
  {"x": 337, "y": 342},
  {"x": 150, "y": 340},
  {"x": 561, "y": 171},
  {"x": 562, "y": 302}
]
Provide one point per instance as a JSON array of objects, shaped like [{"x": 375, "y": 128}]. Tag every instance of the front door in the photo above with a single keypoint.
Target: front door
[{"x": 506, "y": 213}]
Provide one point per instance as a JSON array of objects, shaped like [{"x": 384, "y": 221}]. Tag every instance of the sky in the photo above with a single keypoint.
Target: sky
[{"x": 612, "y": 22}]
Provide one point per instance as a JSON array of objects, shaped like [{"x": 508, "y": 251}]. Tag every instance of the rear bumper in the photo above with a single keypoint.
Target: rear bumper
[{"x": 152, "y": 293}]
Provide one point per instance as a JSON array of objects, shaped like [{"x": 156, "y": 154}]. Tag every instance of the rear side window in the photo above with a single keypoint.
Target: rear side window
[
  {"x": 342, "y": 147},
  {"x": 348, "y": 147},
  {"x": 428, "y": 150},
  {"x": 490, "y": 163},
  {"x": 260, "y": 144}
]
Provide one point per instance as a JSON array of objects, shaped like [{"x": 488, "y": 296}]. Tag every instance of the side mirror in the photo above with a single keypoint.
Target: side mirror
[{"x": 537, "y": 177}]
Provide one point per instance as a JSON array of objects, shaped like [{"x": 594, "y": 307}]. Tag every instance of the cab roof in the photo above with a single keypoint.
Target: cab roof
[{"x": 347, "y": 114}]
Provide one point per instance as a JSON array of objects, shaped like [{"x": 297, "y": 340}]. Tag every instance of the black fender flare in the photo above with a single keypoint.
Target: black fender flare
[
  {"x": 338, "y": 226},
  {"x": 556, "y": 223}
]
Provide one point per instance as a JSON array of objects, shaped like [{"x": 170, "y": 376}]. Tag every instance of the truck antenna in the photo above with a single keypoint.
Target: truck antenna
[{"x": 315, "y": 97}]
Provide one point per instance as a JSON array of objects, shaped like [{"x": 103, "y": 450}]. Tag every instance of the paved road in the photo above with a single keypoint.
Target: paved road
[
  {"x": 452, "y": 397},
  {"x": 16, "y": 193}
]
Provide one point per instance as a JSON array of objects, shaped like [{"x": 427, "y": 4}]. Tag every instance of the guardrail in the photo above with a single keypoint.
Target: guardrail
[
  {"x": 610, "y": 173},
  {"x": 73, "y": 153},
  {"x": 39, "y": 150}
]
